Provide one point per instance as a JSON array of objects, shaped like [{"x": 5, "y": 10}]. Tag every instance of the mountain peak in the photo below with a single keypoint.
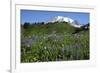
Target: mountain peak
[
  {"x": 72, "y": 22},
  {"x": 62, "y": 19}
]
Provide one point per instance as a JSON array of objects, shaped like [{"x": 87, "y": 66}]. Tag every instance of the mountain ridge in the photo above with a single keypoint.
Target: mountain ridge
[{"x": 72, "y": 22}]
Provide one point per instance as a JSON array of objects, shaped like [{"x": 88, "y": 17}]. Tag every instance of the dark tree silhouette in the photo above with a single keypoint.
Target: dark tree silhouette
[{"x": 26, "y": 25}]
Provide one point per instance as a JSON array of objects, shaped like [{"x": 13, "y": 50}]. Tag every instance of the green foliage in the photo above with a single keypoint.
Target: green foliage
[{"x": 53, "y": 42}]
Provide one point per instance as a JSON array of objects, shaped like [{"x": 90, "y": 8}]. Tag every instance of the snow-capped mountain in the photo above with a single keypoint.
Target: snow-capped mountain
[{"x": 66, "y": 19}]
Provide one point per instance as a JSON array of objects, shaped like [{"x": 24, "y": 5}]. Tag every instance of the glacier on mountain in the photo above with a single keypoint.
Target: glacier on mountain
[{"x": 72, "y": 22}]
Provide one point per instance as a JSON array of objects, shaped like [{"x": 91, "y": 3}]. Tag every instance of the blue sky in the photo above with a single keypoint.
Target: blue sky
[{"x": 43, "y": 16}]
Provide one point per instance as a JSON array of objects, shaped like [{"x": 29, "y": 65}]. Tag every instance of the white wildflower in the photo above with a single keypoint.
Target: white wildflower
[{"x": 45, "y": 47}]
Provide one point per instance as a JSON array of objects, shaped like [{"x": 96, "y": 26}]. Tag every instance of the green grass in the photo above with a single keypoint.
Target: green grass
[{"x": 53, "y": 42}]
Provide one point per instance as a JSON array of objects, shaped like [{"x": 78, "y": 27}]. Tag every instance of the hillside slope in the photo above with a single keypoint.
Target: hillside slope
[{"x": 57, "y": 41}]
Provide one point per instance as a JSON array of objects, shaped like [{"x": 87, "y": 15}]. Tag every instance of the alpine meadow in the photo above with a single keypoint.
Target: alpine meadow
[{"x": 48, "y": 36}]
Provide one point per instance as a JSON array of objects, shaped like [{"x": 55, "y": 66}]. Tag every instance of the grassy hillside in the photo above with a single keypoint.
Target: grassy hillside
[{"x": 53, "y": 42}]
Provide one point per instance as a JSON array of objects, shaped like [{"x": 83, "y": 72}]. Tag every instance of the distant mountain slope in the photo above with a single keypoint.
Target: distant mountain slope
[{"x": 72, "y": 22}]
